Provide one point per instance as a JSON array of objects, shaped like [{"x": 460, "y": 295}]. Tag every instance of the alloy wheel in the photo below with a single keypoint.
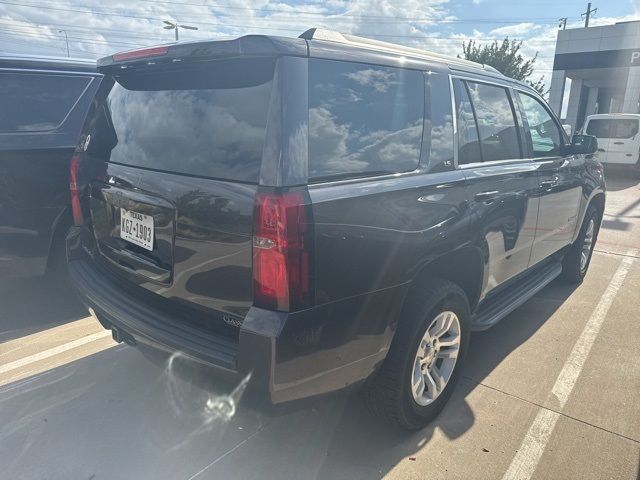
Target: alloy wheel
[
  {"x": 436, "y": 358},
  {"x": 587, "y": 245}
]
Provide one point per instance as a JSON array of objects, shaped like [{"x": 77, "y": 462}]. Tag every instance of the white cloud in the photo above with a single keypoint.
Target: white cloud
[
  {"x": 378, "y": 79},
  {"x": 525, "y": 28},
  {"x": 122, "y": 25}
]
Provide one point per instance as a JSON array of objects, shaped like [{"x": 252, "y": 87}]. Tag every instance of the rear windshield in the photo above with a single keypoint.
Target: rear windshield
[
  {"x": 207, "y": 120},
  {"x": 619, "y": 128}
]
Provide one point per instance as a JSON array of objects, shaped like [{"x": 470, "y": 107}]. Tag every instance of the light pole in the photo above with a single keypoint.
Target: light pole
[
  {"x": 175, "y": 26},
  {"x": 67, "y": 39}
]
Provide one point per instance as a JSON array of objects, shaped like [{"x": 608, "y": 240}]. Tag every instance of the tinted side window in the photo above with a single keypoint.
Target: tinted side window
[
  {"x": 599, "y": 128},
  {"x": 363, "y": 119},
  {"x": 468, "y": 144},
  {"x": 496, "y": 124},
  {"x": 33, "y": 102},
  {"x": 625, "y": 128},
  {"x": 543, "y": 130}
]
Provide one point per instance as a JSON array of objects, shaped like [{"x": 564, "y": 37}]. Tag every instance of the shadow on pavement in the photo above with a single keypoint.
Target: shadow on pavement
[
  {"x": 30, "y": 305},
  {"x": 114, "y": 415}
]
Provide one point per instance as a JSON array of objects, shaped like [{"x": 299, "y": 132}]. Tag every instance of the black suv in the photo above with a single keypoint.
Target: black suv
[
  {"x": 324, "y": 210},
  {"x": 43, "y": 105}
]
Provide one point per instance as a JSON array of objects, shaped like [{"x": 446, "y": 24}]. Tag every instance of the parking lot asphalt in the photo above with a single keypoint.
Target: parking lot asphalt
[{"x": 553, "y": 391}]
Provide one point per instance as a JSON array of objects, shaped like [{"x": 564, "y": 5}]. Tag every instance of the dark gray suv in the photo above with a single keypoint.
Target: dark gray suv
[{"x": 324, "y": 210}]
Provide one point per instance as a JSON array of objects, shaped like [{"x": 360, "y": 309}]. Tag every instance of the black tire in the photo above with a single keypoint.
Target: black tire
[
  {"x": 388, "y": 395},
  {"x": 57, "y": 261},
  {"x": 572, "y": 269}
]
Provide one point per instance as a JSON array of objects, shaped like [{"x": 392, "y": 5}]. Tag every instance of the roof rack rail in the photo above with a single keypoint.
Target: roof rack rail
[{"x": 338, "y": 37}]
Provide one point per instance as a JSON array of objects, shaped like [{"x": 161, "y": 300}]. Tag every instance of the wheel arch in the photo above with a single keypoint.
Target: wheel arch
[
  {"x": 463, "y": 266},
  {"x": 58, "y": 233},
  {"x": 597, "y": 198}
]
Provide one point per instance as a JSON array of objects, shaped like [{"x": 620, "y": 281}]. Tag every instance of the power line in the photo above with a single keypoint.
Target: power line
[
  {"x": 250, "y": 27},
  {"x": 80, "y": 29},
  {"x": 50, "y": 36},
  {"x": 144, "y": 39},
  {"x": 31, "y": 44},
  {"x": 487, "y": 20},
  {"x": 26, "y": 31}
]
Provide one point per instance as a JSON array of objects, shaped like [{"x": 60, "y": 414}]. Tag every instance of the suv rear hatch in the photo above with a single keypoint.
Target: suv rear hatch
[{"x": 174, "y": 158}]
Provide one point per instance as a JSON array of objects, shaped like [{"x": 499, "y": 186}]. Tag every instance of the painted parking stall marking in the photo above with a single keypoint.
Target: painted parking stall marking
[
  {"x": 528, "y": 456},
  {"x": 7, "y": 367}
]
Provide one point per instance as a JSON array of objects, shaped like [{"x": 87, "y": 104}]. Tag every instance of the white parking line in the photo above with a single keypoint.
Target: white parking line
[
  {"x": 526, "y": 460},
  {"x": 53, "y": 351}
]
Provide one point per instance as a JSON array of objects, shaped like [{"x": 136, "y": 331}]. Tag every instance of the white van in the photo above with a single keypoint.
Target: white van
[{"x": 618, "y": 137}]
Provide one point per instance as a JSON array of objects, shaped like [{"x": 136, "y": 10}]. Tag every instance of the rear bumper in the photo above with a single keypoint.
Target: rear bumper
[{"x": 289, "y": 355}]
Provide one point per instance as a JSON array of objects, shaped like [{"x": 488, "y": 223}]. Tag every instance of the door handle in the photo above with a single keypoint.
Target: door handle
[
  {"x": 486, "y": 196},
  {"x": 550, "y": 183},
  {"x": 618, "y": 143}
]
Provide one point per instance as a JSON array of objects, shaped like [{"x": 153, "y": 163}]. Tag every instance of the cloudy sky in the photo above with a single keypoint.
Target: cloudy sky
[{"x": 99, "y": 27}]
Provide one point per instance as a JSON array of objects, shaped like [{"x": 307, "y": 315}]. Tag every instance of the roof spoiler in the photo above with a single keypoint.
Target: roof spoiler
[{"x": 248, "y": 45}]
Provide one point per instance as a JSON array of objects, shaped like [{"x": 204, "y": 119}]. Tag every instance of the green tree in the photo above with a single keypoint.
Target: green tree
[{"x": 505, "y": 57}]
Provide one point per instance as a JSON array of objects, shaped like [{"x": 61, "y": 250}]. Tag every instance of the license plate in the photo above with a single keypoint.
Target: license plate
[{"x": 136, "y": 228}]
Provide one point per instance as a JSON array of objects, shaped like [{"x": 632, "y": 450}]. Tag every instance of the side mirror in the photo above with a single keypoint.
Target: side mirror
[
  {"x": 567, "y": 129},
  {"x": 583, "y": 145}
]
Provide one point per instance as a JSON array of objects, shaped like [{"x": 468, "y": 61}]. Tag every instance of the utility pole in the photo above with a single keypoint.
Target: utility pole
[
  {"x": 563, "y": 23},
  {"x": 175, "y": 26},
  {"x": 67, "y": 39},
  {"x": 587, "y": 15}
]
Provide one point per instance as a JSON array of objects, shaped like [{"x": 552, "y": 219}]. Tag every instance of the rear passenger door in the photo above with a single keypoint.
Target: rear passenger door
[
  {"x": 501, "y": 185},
  {"x": 623, "y": 147},
  {"x": 560, "y": 185}
]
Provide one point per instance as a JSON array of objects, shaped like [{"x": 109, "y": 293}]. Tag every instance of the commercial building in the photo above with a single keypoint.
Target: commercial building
[{"x": 603, "y": 65}]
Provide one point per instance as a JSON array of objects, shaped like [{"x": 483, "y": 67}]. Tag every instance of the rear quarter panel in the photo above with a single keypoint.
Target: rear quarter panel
[{"x": 377, "y": 234}]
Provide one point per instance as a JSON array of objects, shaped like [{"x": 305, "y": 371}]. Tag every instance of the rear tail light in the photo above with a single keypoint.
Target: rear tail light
[
  {"x": 142, "y": 53},
  {"x": 280, "y": 252},
  {"x": 76, "y": 210}
]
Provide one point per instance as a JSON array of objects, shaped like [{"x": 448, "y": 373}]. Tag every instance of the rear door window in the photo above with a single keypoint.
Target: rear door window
[
  {"x": 34, "y": 102},
  {"x": 497, "y": 127},
  {"x": 600, "y": 127},
  {"x": 468, "y": 140},
  {"x": 205, "y": 121},
  {"x": 543, "y": 131},
  {"x": 363, "y": 119}
]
